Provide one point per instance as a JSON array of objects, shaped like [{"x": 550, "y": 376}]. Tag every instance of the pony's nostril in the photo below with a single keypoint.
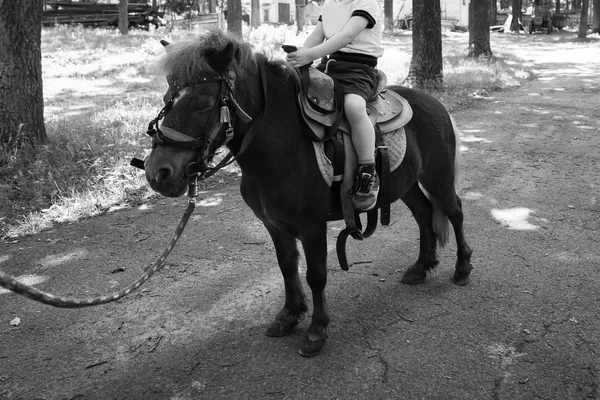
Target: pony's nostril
[{"x": 163, "y": 173}]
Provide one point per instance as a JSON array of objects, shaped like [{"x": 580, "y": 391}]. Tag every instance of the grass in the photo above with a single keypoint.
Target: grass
[{"x": 101, "y": 92}]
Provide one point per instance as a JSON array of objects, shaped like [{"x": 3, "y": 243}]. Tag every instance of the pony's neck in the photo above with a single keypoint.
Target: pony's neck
[{"x": 276, "y": 132}]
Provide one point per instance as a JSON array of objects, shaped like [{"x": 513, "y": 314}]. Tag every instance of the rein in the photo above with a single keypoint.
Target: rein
[{"x": 196, "y": 170}]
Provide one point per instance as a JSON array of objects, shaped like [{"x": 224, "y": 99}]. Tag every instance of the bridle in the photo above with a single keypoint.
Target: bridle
[{"x": 220, "y": 117}]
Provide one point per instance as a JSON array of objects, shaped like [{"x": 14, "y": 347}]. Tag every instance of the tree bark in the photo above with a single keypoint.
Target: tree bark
[
  {"x": 388, "y": 14},
  {"x": 516, "y": 14},
  {"x": 479, "y": 29},
  {"x": 583, "y": 22},
  {"x": 596, "y": 16},
  {"x": 426, "y": 67},
  {"x": 123, "y": 19},
  {"x": 234, "y": 17},
  {"x": 21, "y": 88}
]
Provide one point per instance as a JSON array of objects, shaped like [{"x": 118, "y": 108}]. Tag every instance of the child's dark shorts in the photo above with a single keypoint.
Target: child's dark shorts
[{"x": 360, "y": 79}]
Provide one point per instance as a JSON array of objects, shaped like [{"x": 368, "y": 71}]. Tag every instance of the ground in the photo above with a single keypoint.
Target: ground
[{"x": 525, "y": 327}]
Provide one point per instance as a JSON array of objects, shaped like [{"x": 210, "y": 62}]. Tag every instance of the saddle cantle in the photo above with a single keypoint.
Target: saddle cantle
[{"x": 321, "y": 109}]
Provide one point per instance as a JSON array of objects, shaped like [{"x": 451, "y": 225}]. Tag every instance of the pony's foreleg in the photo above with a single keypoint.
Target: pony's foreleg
[
  {"x": 314, "y": 243},
  {"x": 287, "y": 319},
  {"x": 422, "y": 211}
]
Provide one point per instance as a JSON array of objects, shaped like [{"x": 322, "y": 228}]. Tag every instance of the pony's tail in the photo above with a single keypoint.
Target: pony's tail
[
  {"x": 441, "y": 224},
  {"x": 457, "y": 155},
  {"x": 440, "y": 220}
]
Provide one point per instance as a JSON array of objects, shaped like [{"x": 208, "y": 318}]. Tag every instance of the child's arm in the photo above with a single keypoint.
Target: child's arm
[{"x": 306, "y": 55}]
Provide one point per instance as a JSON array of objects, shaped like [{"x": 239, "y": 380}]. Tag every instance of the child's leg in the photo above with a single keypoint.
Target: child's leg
[
  {"x": 362, "y": 132},
  {"x": 366, "y": 186}
]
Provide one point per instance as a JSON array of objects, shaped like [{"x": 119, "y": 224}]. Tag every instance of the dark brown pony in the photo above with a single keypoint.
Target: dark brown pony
[{"x": 221, "y": 92}]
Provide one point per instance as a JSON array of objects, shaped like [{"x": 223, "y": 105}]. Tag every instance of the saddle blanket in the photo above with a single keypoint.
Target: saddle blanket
[{"x": 395, "y": 141}]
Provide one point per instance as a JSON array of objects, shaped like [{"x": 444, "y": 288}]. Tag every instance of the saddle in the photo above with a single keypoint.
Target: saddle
[{"x": 321, "y": 101}]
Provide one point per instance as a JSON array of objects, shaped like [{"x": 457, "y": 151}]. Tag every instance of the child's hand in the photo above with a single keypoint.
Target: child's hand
[{"x": 300, "y": 57}]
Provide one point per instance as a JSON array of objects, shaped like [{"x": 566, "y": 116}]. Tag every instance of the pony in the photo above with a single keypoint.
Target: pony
[{"x": 223, "y": 93}]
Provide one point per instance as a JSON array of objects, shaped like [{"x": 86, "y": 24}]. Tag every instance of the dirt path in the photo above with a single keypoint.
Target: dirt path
[{"x": 525, "y": 327}]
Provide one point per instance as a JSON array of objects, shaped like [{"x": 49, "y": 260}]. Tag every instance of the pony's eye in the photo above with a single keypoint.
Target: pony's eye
[{"x": 202, "y": 104}]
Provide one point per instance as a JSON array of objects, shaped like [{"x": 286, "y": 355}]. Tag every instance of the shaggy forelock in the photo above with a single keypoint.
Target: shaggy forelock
[{"x": 185, "y": 61}]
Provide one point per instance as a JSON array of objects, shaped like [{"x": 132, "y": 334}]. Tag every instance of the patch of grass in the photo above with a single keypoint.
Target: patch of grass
[{"x": 100, "y": 94}]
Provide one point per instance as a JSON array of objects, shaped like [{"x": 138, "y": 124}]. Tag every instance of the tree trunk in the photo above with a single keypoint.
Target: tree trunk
[
  {"x": 123, "y": 19},
  {"x": 596, "y": 16},
  {"x": 557, "y": 7},
  {"x": 493, "y": 12},
  {"x": 516, "y": 14},
  {"x": 388, "y": 14},
  {"x": 583, "y": 22},
  {"x": 426, "y": 67},
  {"x": 255, "y": 13},
  {"x": 300, "y": 15},
  {"x": 479, "y": 28},
  {"x": 234, "y": 17},
  {"x": 21, "y": 89}
]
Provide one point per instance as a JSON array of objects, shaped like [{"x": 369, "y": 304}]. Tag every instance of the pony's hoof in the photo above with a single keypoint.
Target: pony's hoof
[
  {"x": 461, "y": 276},
  {"x": 312, "y": 345},
  {"x": 412, "y": 277},
  {"x": 278, "y": 328}
]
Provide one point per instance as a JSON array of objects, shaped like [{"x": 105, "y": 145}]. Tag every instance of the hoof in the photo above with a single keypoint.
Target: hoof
[
  {"x": 461, "y": 275},
  {"x": 279, "y": 328},
  {"x": 411, "y": 277},
  {"x": 312, "y": 344}
]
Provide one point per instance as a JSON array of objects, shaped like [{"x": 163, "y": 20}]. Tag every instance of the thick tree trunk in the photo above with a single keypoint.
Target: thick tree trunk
[
  {"x": 479, "y": 28},
  {"x": 123, "y": 19},
  {"x": 426, "y": 67},
  {"x": 516, "y": 14},
  {"x": 21, "y": 89},
  {"x": 234, "y": 17},
  {"x": 583, "y": 22}
]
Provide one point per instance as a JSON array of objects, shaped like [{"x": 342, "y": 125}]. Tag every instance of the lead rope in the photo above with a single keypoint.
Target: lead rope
[{"x": 11, "y": 283}]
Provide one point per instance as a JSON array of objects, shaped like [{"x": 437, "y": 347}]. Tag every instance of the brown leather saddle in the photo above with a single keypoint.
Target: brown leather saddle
[{"x": 321, "y": 101}]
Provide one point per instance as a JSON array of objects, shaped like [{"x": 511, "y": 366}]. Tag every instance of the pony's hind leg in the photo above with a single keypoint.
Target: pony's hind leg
[
  {"x": 422, "y": 211},
  {"x": 463, "y": 250},
  {"x": 291, "y": 314},
  {"x": 451, "y": 205}
]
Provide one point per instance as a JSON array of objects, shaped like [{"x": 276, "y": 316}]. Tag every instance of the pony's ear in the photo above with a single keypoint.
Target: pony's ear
[
  {"x": 164, "y": 42},
  {"x": 220, "y": 59}
]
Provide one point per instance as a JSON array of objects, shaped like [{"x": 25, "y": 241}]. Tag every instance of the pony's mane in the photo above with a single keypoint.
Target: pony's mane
[{"x": 185, "y": 61}]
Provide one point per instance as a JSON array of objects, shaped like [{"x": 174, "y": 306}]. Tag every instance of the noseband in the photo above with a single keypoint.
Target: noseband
[{"x": 201, "y": 145}]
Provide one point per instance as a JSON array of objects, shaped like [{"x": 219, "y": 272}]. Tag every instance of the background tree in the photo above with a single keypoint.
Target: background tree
[
  {"x": 300, "y": 14},
  {"x": 234, "y": 17},
  {"x": 596, "y": 16},
  {"x": 123, "y": 18},
  {"x": 479, "y": 28},
  {"x": 388, "y": 14},
  {"x": 583, "y": 22},
  {"x": 515, "y": 24},
  {"x": 255, "y": 13},
  {"x": 21, "y": 90},
  {"x": 426, "y": 67}
]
